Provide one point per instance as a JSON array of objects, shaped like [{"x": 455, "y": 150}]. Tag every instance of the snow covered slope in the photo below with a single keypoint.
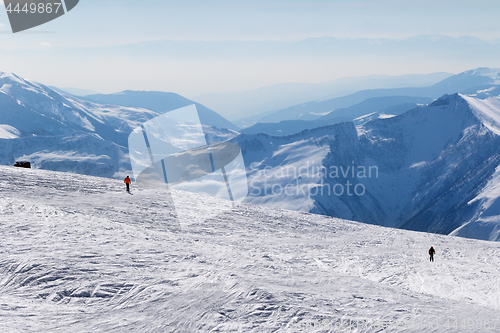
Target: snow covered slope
[
  {"x": 421, "y": 170},
  {"x": 39, "y": 107},
  {"x": 62, "y": 132},
  {"x": 161, "y": 102},
  {"x": 8, "y": 132},
  {"x": 78, "y": 254}
]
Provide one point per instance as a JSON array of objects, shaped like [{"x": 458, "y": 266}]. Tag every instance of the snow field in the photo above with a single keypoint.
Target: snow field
[{"x": 79, "y": 254}]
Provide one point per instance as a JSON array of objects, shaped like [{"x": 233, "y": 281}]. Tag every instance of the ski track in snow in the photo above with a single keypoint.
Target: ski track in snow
[{"x": 79, "y": 254}]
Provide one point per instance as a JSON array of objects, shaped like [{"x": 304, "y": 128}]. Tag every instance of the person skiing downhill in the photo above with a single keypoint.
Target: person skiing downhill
[
  {"x": 431, "y": 253},
  {"x": 127, "y": 182}
]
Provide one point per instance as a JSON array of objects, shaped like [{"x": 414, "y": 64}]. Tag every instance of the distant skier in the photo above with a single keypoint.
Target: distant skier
[
  {"x": 431, "y": 253},
  {"x": 127, "y": 182}
]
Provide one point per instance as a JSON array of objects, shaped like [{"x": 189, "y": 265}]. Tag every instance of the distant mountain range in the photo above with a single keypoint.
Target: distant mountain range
[
  {"x": 382, "y": 106},
  {"x": 243, "y": 105},
  {"x": 465, "y": 81},
  {"x": 346, "y": 108},
  {"x": 197, "y": 67}
]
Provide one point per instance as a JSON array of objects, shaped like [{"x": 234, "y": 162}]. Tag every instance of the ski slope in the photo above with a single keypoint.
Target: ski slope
[{"x": 78, "y": 254}]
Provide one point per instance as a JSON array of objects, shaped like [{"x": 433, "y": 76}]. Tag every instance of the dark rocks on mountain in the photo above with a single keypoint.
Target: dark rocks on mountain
[{"x": 23, "y": 164}]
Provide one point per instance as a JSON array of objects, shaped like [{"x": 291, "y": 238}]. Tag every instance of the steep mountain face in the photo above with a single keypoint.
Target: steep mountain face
[
  {"x": 161, "y": 102},
  {"x": 428, "y": 169},
  {"x": 463, "y": 83},
  {"x": 79, "y": 153},
  {"x": 61, "y": 132},
  {"x": 30, "y": 106},
  {"x": 14, "y": 113}
]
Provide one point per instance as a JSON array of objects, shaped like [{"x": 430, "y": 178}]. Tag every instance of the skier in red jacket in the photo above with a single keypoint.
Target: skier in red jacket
[
  {"x": 127, "y": 182},
  {"x": 431, "y": 253}
]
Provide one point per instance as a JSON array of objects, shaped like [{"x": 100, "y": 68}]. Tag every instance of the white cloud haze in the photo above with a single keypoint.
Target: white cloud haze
[{"x": 76, "y": 36}]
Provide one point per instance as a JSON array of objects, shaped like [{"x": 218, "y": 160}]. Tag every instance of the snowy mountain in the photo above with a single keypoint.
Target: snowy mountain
[
  {"x": 78, "y": 254},
  {"x": 430, "y": 169},
  {"x": 8, "y": 132},
  {"x": 61, "y": 132},
  {"x": 161, "y": 102},
  {"x": 29, "y": 106},
  {"x": 81, "y": 153},
  {"x": 58, "y": 131},
  {"x": 466, "y": 82}
]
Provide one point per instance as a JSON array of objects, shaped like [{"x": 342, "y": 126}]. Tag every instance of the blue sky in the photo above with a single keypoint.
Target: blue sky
[
  {"x": 111, "y": 22},
  {"x": 104, "y": 23}
]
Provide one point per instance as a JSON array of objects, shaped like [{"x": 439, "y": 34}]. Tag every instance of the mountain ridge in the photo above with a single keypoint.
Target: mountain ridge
[
  {"x": 458, "y": 83},
  {"x": 434, "y": 165},
  {"x": 44, "y": 117},
  {"x": 390, "y": 105},
  {"x": 161, "y": 102},
  {"x": 420, "y": 155}
]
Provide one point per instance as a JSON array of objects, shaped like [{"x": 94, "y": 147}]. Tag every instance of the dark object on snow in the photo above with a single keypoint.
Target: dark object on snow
[
  {"x": 431, "y": 253},
  {"x": 23, "y": 164}
]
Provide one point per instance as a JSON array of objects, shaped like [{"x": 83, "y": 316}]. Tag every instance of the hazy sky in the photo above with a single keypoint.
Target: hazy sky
[
  {"x": 101, "y": 23},
  {"x": 111, "y": 22}
]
